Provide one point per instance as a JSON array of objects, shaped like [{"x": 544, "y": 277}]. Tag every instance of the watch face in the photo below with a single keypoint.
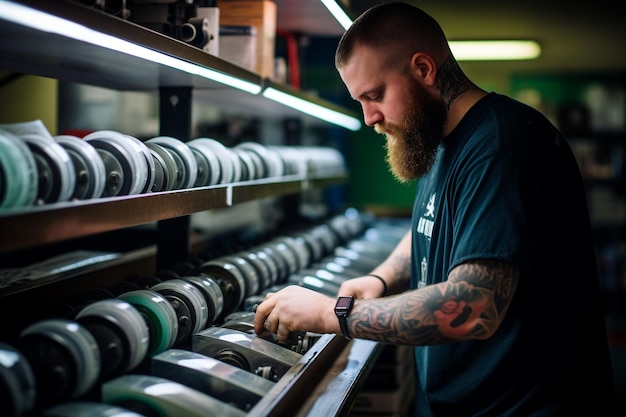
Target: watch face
[{"x": 343, "y": 302}]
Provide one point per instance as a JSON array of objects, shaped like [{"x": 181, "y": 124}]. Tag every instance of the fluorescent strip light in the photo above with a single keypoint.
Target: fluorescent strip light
[
  {"x": 49, "y": 23},
  {"x": 313, "y": 109},
  {"x": 495, "y": 50},
  {"x": 464, "y": 50},
  {"x": 338, "y": 13}
]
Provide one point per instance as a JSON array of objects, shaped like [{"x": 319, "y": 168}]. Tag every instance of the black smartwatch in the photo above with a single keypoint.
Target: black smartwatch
[{"x": 342, "y": 309}]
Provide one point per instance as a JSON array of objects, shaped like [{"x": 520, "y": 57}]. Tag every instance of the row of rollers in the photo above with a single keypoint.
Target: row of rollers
[
  {"x": 145, "y": 323},
  {"x": 35, "y": 169}
]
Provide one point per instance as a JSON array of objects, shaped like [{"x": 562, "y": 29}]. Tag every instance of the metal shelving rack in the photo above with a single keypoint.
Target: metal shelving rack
[{"x": 334, "y": 362}]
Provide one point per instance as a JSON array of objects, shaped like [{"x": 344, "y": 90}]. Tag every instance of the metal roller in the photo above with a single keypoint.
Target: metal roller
[
  {"x": 56, "y": 174},
  {"x": 189, "y": 305},
  {"x": 88, "y": 166},
  {"x": 126, "y": 170},
  {"x": 166, "y": 168},
  {"x": 18, "y": 173},
  {"x": 224, "y": 155},
  {"x": 120, "y": 331},
  {"x": 231, "y": 282},
  {"x": 188, "y": 167},
  {"x": 205, "y": 148},
  {"x": 64, "y": 357},
  {"x": 19, "y": 390},
  {"x": 159, "y": 315}
]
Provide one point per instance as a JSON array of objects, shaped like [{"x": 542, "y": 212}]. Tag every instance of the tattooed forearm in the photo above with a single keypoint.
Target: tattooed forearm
[{"x": 469, "y": 305}]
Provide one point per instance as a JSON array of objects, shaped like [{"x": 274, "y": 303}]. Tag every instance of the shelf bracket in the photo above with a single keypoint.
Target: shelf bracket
[{"x": 173, "y": 235}]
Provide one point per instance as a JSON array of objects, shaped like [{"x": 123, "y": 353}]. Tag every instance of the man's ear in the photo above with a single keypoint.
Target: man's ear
[{"x": 423, "y": 68}]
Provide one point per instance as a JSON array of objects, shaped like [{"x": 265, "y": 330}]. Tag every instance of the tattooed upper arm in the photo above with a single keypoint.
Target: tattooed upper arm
[{"x": 476, "y": 297}]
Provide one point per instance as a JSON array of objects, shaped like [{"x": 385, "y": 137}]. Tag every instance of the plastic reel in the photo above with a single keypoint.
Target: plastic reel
[
  {"x": 272, "y": 266},
  {"x": 18, "y": 389},
  {"x": 208, "y": 164},
  {"x": 259, "y": 164},
  {"x": 150, "y": 165},
  {"x": 272, "y": 162},
  {"x": 18, "y": 172},
  {"x": 126, "y": 169},
  {"x": 186, "y": 161},
  {"x": 57, "y": 177},
  {"x": 282, "y": 264},
  {"x": 224, "y": 156},
  {"x": 166, "y": 168},
  {"x": 159, "y": 315},
  {"x": 283, "y": 251},
  {"x": 248, "y": 167},
  {"x": 88, "y": 165},
  {"x": 248, "y": 272},
  {"x": 263, "y": 271},
  {"x": 212, "y": 293},
  {"x": 189, "y": 305},
  {"x": 120, "y": 331},
  {"x": 231, "y": 282},
  {"x": 64, "y": 357}
]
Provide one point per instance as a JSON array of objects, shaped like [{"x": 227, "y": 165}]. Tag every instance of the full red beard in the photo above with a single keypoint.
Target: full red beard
[{"x": 412, "y": 143}]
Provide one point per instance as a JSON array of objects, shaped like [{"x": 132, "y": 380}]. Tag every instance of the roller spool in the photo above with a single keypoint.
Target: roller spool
[
  {"x": 271, "y": 264},
  {"x": 283, "y": 251},
  {"x": 121, "y": 334},
  {"x": 259, "y": 165},
  {"x": 189, "y": 305},
  {"x": 159, "y": 315},
  {"x": 261, "y": 268},
  {"x": 248, "y": 272},
  {"x": 212, "y": 293},
  {"x": 64, "y": 357},
  {"x": 204, "y": 149},
  {"x": 166, "y": 168},
  {"x": 88, "y": 166},
  {"x": 224, "y": 155},
  {"x": 18, "y": 389},
  {"x": 185, "y": 160},
  {"x": 237, "y": 165},
  {"x": 126, "y": 169},
  {"x": 299, "y": 247},
  {"x": 149, "y": 163},
  {"x": 230, "y": 280},
  {"x": 314, "y": 246},
  {"x": 272, "y": 163},
  {"x": 18, "y": 173},
  {"x": 248, "y": 168},
  {"x": 282, "y": 265},
  {"x": 56, "y": 174}
]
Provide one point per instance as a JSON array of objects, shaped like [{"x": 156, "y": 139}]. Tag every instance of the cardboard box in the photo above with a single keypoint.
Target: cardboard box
[
  {"x": 238, "y": 45},
  {"x": 262, "y": 15}
]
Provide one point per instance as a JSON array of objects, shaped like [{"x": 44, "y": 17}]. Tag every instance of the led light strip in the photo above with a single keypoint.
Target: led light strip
[{"x": 313, "y": 109}]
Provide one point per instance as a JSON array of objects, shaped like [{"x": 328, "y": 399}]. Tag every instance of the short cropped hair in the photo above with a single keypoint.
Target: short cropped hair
[{"x": 398, "y": 25}]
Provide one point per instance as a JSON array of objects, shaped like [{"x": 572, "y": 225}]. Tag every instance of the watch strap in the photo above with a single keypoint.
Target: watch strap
[{"x": 342, "y": 314}]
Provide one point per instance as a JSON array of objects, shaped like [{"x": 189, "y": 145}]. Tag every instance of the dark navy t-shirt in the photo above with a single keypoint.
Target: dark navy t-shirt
[{"x": 505, "y": 185}]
